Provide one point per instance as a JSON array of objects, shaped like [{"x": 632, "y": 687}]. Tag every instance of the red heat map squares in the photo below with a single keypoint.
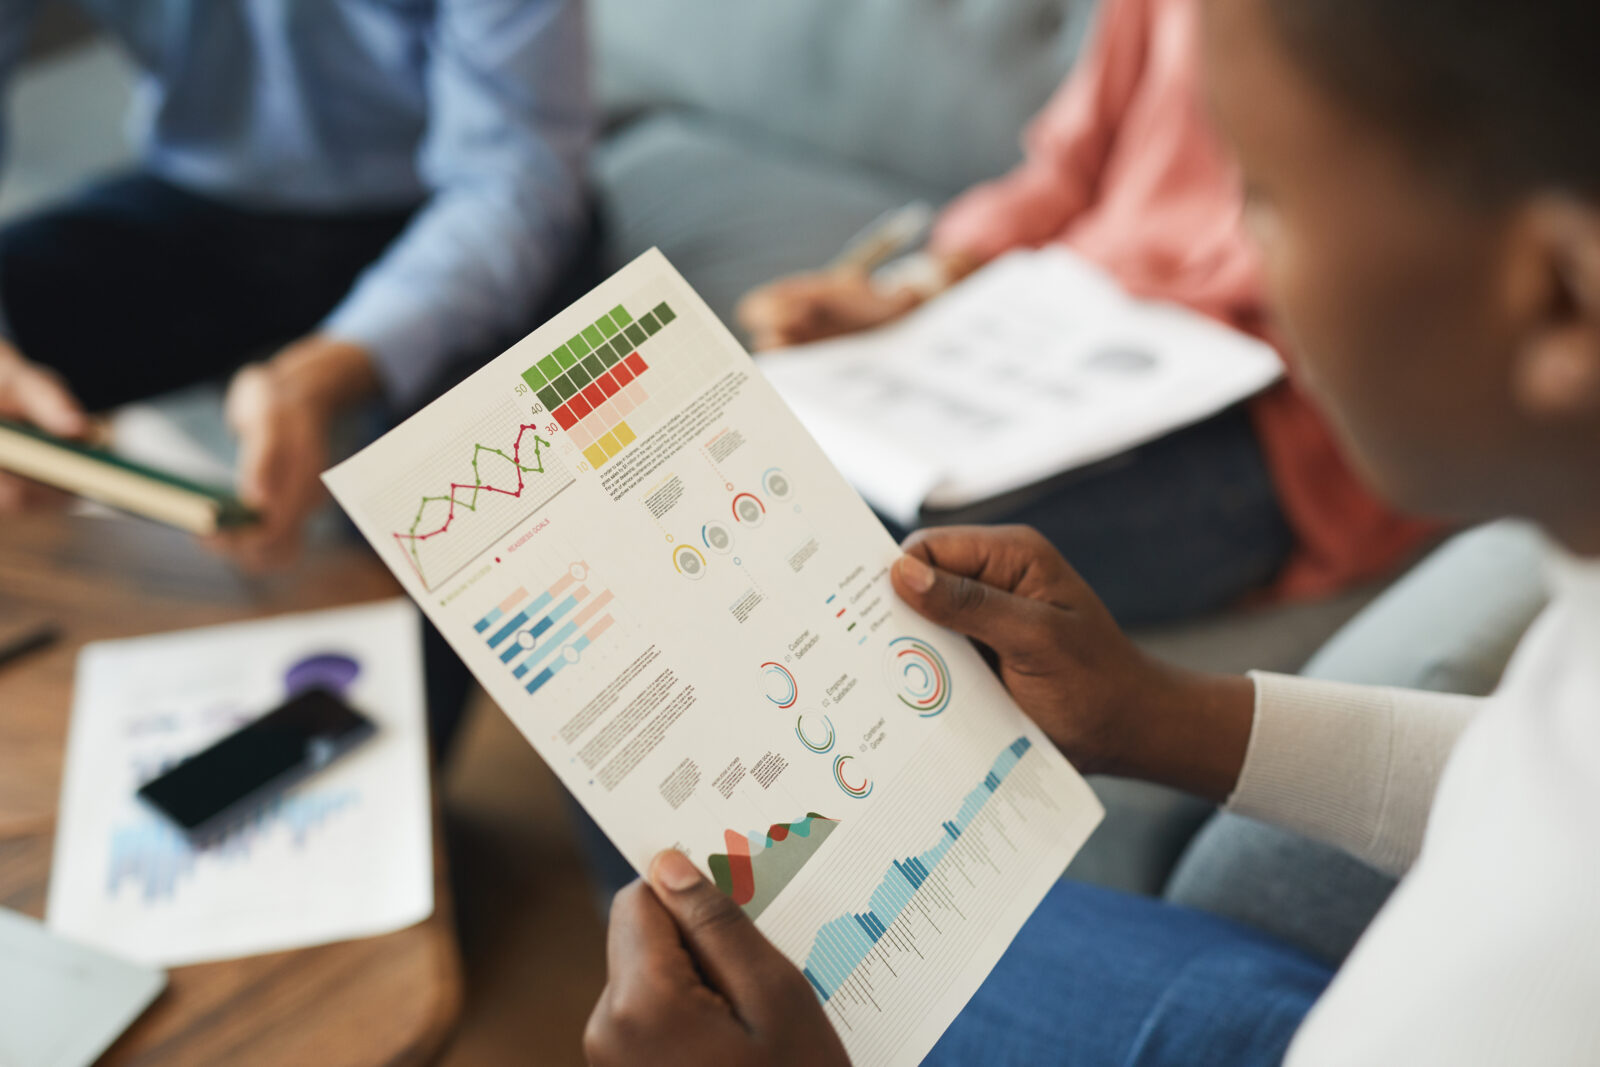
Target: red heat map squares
[
  {"x": 579, "y": 406},
  {"x": 622, "y": 374},
  {"x": 608, "y": 385},
  {"x": 636, "y": 363},
  {"x": 565, "y": 416},
  {"x": 593, "y": 395}
]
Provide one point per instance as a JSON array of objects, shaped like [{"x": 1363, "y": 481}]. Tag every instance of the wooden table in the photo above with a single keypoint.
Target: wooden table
[{"x": 390, "y": 999}]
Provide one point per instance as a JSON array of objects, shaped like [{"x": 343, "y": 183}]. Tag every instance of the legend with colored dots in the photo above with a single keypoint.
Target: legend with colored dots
[{"x": 592, "y": 383}]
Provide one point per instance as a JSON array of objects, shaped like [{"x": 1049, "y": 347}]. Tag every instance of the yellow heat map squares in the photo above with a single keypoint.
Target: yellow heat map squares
[
  {"x": 610, "y": 443},
  {"x": 624, "y": 433},
  {"x": 595, "y": 455}
]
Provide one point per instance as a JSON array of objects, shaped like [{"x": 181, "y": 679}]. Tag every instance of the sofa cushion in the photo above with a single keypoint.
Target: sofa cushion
[
  {"x": 730, "y": 208},
  {"x": 931, "y": 91}
]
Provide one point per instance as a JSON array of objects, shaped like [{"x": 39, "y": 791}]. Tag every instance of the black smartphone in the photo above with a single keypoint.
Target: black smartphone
[{"x": 217, "y": 786}]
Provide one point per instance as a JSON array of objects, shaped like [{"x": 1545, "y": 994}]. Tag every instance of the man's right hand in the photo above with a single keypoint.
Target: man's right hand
[
  {"x": 1109, "y": 707},
  {"x": 34, "y": 394},
  {"x": 812, "y": 307}
]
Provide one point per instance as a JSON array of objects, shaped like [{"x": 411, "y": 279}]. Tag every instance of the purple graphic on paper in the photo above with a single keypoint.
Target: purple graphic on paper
[{"x": 327, "y": 670}]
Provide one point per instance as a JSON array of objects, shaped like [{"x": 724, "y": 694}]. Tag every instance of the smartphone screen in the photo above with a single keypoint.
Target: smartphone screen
[{"x": 221, "y": 783}]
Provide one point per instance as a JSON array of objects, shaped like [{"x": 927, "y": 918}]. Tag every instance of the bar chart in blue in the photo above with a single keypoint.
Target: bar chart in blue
[
  {"x": 538, "y": 634},
  {"x": 931, "y": 886}
]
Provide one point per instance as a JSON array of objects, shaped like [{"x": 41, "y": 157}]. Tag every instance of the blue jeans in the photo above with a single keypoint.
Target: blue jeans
[
  {"x": 1182, "y": 526},
  {"x": 1099, "y": 978}
]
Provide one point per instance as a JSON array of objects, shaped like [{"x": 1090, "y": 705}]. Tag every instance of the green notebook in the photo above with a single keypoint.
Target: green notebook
[{"x": 97, "y": 474}]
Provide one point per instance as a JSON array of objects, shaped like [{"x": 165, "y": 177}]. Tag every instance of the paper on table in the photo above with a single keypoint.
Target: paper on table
[
  {"x": 1035, "y": 365},
  {"x": 61, "y": 1004},
  {"x": 658, "y": 575},
  {"x": 347, "y": 853}
]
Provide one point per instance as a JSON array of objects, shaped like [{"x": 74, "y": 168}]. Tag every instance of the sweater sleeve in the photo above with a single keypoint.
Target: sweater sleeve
[
  {"x": 1066, "y": 147},
  {"x": 1353, "y": 766}
]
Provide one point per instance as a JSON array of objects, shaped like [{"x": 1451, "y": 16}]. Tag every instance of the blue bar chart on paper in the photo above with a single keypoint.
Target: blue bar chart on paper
[
  {"x": 929, "y": 894},
  {"x": 536, "y": 635}
]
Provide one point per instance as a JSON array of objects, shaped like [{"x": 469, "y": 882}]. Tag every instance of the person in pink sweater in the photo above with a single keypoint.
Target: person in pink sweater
[{"x": 1123, "y": 167}]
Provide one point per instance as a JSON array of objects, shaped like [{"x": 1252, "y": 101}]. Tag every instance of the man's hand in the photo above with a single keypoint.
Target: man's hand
[
  {"x": 283, "y": 412},
  {"x": 811, "y": 307},
  {"x": 34, "y": 394},
  {"x": 692, "y": 982},
  {"x": 1106, "y": 705}
]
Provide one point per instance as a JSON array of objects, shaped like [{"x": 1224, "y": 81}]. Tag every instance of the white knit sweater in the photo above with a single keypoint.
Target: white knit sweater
[{"x": 1489, "y": 952}]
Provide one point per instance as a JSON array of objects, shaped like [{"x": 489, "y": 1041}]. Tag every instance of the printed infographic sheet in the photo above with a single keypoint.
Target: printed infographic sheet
[
  {"x": 660, "y": 578},
  {"x": 348, "y": 853},
  {"x": 1037, "y": 364}
]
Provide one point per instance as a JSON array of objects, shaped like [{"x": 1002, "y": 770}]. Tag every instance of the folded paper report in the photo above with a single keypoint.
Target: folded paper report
[{"x": 657, "y": 574}]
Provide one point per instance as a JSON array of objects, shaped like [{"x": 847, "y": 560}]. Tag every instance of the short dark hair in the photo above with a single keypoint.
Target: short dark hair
[{"x": 1502, "y": 93}]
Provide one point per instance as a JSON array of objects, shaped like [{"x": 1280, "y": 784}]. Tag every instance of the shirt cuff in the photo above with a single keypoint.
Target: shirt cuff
[
  {"x": 1352, "y": 766},
  {"x": 406, "y": 348}
]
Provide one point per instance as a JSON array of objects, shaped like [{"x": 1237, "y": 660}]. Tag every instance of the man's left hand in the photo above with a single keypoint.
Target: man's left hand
[{"x": 691, "y": 981}]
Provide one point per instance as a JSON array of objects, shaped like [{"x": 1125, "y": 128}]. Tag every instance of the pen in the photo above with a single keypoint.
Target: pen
[
  {"x": 29, "y": 641},
  {"x": 883, "y": 238}
]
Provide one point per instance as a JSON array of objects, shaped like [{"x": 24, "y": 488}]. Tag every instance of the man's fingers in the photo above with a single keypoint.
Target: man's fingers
[
  {"x": 1018, "y": 559},
  {"x": 741, "y": 964},
  {"x": 32, "y": 393},
  {"x": 643, "y": 945},
  {"x": 1003, "y": 621}
]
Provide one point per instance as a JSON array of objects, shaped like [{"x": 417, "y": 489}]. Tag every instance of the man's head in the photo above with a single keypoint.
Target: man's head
[{"x": 1424, "y": 179}]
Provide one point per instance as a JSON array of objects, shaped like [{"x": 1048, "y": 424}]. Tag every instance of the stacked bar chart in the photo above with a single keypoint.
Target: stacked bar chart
[
  {"x": 536, "y": 635},
  {"x": 592, "y": 383},
  {"x": 844, "y": 943}
]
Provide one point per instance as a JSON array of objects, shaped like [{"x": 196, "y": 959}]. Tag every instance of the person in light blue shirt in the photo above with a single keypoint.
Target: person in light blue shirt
[{"x": 334, "y": 199}]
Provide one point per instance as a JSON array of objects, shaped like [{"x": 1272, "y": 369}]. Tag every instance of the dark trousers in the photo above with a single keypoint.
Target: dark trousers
[
  {"x": 1176, "y": 528},
  {"x": 135, "y": 287}
]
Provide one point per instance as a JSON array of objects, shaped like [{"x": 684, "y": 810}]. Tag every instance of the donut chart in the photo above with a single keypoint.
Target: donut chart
[
  {"x": 819, "y": 739},
  {"x": 748, "y": 510},
  {"x": 689, "y": 562},
  {"x": 843, "y": 776},
  {"x": 918, "y": 675},
  {"x": 778, "y": 685}
]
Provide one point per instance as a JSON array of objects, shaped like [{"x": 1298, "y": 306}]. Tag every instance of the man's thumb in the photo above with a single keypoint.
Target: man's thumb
[
  {"x": 967, "y": 606},
  {"x": 738, "y": 959}
]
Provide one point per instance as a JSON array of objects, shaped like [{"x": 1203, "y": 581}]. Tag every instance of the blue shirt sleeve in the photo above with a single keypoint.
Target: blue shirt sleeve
[{"x": 510, "y": 124}]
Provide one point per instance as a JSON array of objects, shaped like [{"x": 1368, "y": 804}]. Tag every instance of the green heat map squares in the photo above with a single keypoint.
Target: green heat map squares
[
  {"x": 564, "y": 357},
  {"x": 550, "y": 397},
  {"x": 580, "y": 376},
  {"x": 664, "y": 313},
  {"x": 594, "y": 365},
  {"x": 608, "y": 355},
  {"x": 607, "y": 327},
  {"x": 636, "y": 334},
  {"x": 534, "y": 377},
  {"x": 578, "y": 346},
  {"x": 549, "y": 367},
  {"x": 592, "y": 335},
  {"x": 648, "y": 321},
  {"x": 620, "y": 348},
  {"x": 620, "y": 316},
  {"x": 565, "y": 387}
]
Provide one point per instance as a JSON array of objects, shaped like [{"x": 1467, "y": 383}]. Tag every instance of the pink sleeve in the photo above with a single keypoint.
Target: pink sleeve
[{"x": 1066, "y": 147}]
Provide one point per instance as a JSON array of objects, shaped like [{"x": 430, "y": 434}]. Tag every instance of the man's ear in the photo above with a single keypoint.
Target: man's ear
[{"x": 1555, "y": 374}]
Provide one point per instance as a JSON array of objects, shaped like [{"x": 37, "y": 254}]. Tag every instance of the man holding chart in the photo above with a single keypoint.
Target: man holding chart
[{"x": 360, "y": 197}]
